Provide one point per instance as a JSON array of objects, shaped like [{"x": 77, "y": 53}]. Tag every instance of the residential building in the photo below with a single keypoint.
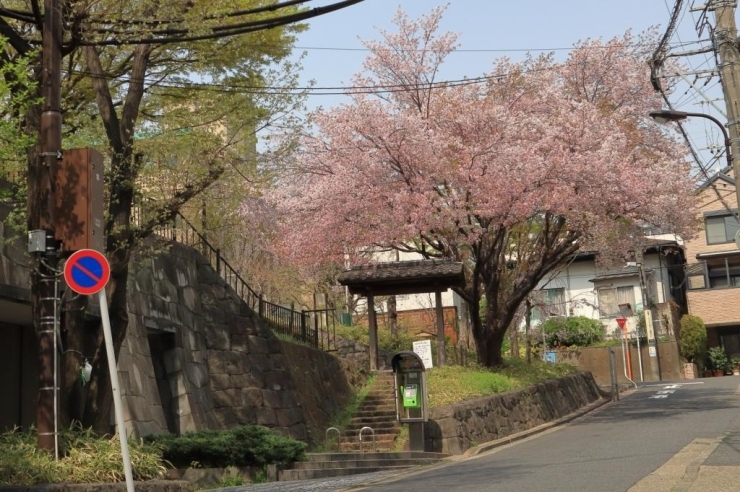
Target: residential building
[
  {"x": 584, "y": 288},
  {"x": 713, "y": 270}
]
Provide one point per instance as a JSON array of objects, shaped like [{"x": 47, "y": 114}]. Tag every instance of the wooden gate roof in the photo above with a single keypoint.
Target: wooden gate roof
[{"x": 403, "y": 277}]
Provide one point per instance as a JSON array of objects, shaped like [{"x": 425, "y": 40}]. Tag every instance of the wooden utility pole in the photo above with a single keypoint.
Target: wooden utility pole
[
  {"x": 729, "y": 55},
  {"x": 50, "y": 146}
]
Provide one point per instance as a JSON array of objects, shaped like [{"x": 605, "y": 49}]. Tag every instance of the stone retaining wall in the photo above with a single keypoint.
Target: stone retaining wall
[
  {"x": 455, "y": 428},
  {"x": 149, "y": 486},
  {"x": 324, "y": 385}
]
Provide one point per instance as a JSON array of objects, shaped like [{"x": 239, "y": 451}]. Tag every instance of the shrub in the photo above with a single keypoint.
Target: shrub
[
  {"x": 247, "y": 445},
  {"x": 692, "y": 338},
  {"x": 404, "y": 341},
  {"x": 577, "y": 331},
  {"x": 86, "y": 458},
  {"x": 718, "y": 359}
]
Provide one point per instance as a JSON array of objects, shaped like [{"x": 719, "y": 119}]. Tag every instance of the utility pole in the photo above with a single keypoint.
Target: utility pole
[
  {"x": 729, "y": 55},
  {"x": 50, "y": 146}
]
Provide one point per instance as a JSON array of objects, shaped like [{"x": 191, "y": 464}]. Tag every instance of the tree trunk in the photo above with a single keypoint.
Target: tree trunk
[
  {"x": 393, "y": 317},
  {"x": 489, "y": 348}
]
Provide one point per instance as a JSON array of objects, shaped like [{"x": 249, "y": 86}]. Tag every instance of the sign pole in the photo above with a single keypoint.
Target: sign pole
[
  {"x": 117, "y": 402},
  {"x": 87, "y": 272}
]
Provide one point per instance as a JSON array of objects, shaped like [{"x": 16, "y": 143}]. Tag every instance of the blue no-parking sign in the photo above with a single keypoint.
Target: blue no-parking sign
[{"x": 87, "y": 272}]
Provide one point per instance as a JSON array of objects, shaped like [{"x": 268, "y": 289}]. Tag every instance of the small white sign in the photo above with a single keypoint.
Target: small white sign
[
  {"x": 423, "y": 348},
  {"x": 651, "y": 351}
]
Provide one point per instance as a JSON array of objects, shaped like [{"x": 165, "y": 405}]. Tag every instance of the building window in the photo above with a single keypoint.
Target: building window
[
  {"x": 548, "y": 303},
  {"x": 611, "y": 298},
  {"x": 721, "y": 228},
  {"x": 724, "y": 272}
]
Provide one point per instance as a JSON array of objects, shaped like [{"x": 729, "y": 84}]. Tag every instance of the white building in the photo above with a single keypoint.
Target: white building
[{"x": 583, "y": 288}]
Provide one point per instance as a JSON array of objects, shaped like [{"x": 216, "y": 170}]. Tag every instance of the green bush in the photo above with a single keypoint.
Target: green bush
[
  {"x": 403, "y": 341},
  {"x": 718, "y": 359},
  {"x": 692, "y": 338},
  {"x": 248, "y": 445},
  {"x": 84, "y": 458},
  {"x": 578, "y": 331}
]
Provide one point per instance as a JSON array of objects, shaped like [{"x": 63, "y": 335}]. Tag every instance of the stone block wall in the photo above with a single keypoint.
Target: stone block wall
[
  {"x": 196, "y": 357},
  {"x": 455, "y": 428},
  {"x": 325, "y": 385}
]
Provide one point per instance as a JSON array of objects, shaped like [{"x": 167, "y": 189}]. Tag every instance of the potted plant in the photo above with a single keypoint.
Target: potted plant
[
  {"x": 736, "y": 366},
  {"x": 719, "y": 360}
]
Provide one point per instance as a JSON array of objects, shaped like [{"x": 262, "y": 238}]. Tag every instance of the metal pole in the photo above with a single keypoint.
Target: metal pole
[
  {"x": 117, "y": 401},
  {"x": 639, "y": 353},
  {"x": 613, "y": 373}
]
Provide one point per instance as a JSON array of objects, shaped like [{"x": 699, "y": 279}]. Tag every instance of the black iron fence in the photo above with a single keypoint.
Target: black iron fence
[{"x": 303, "y": 326}]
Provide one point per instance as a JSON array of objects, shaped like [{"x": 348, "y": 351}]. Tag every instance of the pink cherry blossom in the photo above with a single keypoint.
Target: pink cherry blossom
[{"x": 511, "y": 174}]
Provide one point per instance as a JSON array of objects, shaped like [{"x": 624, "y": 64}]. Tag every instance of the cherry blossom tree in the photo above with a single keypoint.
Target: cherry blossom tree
[{"x": 511, "y": 173}]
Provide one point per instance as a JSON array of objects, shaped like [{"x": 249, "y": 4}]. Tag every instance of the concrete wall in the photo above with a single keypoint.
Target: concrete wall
[
  {"x": 596, "y": 361},
  {"x": 455, "y": 428}
]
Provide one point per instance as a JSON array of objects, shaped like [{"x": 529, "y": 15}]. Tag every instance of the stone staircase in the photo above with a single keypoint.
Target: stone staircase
[{"x": 377, "y": 411}]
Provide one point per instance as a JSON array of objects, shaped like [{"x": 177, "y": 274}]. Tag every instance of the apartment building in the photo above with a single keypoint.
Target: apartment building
[{"x": 713, "y": 269}]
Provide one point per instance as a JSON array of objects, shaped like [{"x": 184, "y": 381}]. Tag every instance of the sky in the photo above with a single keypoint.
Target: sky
[{"x": 490, "y": 29}]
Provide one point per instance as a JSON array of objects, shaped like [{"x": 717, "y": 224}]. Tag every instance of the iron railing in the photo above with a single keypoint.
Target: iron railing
[{"x": 281, "y": 319}]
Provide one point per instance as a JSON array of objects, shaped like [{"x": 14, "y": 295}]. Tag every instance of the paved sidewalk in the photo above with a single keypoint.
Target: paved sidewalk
[{"x": 704, "y": 465}]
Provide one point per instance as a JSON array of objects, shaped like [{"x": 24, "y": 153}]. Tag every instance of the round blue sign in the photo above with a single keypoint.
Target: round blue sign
[{"x": 87, "y": 271}]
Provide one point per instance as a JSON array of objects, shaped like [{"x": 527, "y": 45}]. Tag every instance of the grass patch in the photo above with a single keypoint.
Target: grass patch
[
  {"x": 86, "y": 458},
  {"x": 453, "y": 384}
]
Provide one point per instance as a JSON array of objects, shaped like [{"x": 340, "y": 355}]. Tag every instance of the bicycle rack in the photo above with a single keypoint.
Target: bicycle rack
[
  {"x": 375, "y": 449},
  {"x": 326, "y": 435}
]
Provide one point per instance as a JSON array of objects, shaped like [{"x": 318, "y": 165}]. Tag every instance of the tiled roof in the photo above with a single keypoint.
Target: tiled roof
[{"x": 402, "y": 271}]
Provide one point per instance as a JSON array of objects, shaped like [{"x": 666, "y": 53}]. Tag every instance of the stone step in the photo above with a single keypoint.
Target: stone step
[
  {"x": 375, "y": 426},
  {"x": 375, "y": 408},
  {"x": 369, "y": 412},
  {"x": 367, "y": 447},
  {"x": 368, "y": 436},
  {"x": 384, "y": 397},
  {"x": 367, "y": 460},
  {"x": 286, "y": 475},
  {"x": 372, "y": 419},
  {"x": 405, "y": 455}
]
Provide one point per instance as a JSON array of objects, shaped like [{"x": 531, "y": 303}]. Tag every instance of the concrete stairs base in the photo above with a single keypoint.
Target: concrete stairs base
[{"x": 326, "y": 465}]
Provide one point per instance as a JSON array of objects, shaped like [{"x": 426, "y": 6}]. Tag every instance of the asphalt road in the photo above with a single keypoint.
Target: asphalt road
[{"x": 609, "y": 449}]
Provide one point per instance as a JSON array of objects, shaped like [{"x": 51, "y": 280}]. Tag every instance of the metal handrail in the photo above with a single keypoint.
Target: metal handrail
[
  {"x": 279, "y": 318},
  {"x": 326, "y": 435},
  {"x": 372, "y": 432}
]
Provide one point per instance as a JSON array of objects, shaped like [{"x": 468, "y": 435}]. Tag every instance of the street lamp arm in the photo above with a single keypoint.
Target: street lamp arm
[{"x": 666, "y": 115}]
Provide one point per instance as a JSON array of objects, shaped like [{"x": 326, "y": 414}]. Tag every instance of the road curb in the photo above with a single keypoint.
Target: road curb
[{"x": 482, "y": 448}]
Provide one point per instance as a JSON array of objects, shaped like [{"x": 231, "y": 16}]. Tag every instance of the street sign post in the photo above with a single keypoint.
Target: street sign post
[{"x": 87, "y": 272}]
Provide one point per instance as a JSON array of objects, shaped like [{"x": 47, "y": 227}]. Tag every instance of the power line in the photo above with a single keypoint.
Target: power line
[{"x": 324, "y": 91}]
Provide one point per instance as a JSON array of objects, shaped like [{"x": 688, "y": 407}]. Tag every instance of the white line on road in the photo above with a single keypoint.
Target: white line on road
[{"x": 659, "y": 396}]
